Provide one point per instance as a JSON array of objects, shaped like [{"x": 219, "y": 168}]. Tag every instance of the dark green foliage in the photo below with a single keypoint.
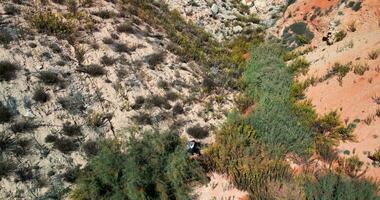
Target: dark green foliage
[
  {"x": 340, "y": 70},
  {"x": 92, "y": 70},
  {"x": 333, "y": 186},
  {"x": 69, "y": 129},
  {"x": 177, "y": 109},
  {"x": 356, "y": 6},
  {"x": 154, "y": 167},
  {"x": 7, "y": 166},
  {"x": 71, "y": 174},
  {"x": 298, "y": 33},
  {"x": 24, "y": 125},
  {"x": 91, "y": 148},
  {"x": 65, "y": 145},
  {"x": 8, "y": 70},
  {"x": 275, "y": 121},
  {"x": 106, "y": 60},
  {"x": 51, "y": 138},
  {"x": 50, "y": 78},
  {"x": 5, "y": 113},
  {"x": 5, "y": 37},
  {"x": 40, "y": 95},
  {"x": 198, "y": 132},
  {"x": 237, "y": 153}
]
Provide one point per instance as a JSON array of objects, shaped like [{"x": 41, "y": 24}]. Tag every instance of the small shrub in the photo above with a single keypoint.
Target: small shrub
[
  {"x": 24, "y": 174},
  {"x": 360, "y": 68},
  {"x": 108, "y": 40},
  {"x": 368, "y": 120},
  {"x": 55, "y": 48},
  {"x": 126, "y": 27},
  {"x": 158, "y": 101},
  {"x": 5, "y": 37},
  {"x": 171, "y": 96},
  {"x": 6, "y": 141},
  {"x": 92, "y": 70},
  {"x": 356, "y": 6},
  {"x": 106, "y": 60},
  {"x": 91, "y": 148},
  {"x": 97, "y": 120},
  {"x": 300, "y": 65},
  {"x": 123, "y": 48},
  {"x": 59, "y": 1},
  {"x": 51, "y": 138},
  {"x": 7, "y": 166},
  {"x": 10, "y": 9},
  {"x": 5, "y": 114},
  {"x": 74, "y": 103},
  {"x": 155, "y": 59},
  {"x": 8, "y": 70},
  {"x": 198, "y": 132},
  {"x": 375, "y": 156},
  {"x": 352, "y": 26},
  {"x": 71, "y": 174},
  {"x": 177, "y": 109},
  {"x": 40, "y": 95},
  {"x": 139, "y": 101},
  {"x": 52, "y": 23},
  {"x": 163, "y": 84},
  {"x": 208, "y": 84},
  {"x": 72, "y": 6},
  {"x": 23, "y": 126},
  {"x": 378, "y": 112},
  {"x": 50, "y": 78},
  {"x": 372, "y": 55},
  {"x": 143, "y": 118},
  {"x": 66, "y": 145},
  {"x": 105, "y": 14},
  {"x": 70, "y": 130},
  {"x": 340, "y": 35},
  {"x": 352, "y": 166}
]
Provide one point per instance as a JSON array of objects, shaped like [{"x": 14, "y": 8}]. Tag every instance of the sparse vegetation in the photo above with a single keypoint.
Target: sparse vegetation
[
  {"x": 50, "y": 78},
  {"x": 360, "y": 68},
  {"x": 92, "y": 70},
  {"x": 8, "y": 70},
  {"x": 299, "y": 65},
  {"x": 155, "y": 59},
  {"x": 198, "y": 132},
  {"x": 24, "y": 125},
  {"x": 374, "y": 54},
  {"x": 52, "y": 23},
  {"x": 65, "y": 145},
  {"x": 74, "y": 103},
  {"x": 70, "y": 129},
  {"x": 340, "y": 35},
  {"x": 126, "y": 27},
  {"x": 5, "y": 113}
]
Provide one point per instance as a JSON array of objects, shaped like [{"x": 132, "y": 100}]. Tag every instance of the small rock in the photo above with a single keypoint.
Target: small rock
[
  {"x": 214, "y": 9},
  {"x": 237, "y": 29}
]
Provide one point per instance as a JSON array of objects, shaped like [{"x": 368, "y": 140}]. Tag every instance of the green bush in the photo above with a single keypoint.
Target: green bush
[
  {"x": 52, "y": 23},
  {"x": 275, "y": 121},
  {"x": 337, "y": 187},
  {"x": 156, "y": 166}
]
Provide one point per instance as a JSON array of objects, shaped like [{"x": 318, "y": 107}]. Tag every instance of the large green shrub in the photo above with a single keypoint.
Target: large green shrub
[{"x": 156, "y": 166}]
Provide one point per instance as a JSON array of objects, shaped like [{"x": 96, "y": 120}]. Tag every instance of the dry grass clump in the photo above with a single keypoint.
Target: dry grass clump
[
  {"x": 40, "y": 95},
  {"x": 372, "y": 55},
  {"x": 8, "y": 70},
  {"x": 50, "y": 78},
  {"x": 92, "y": 70}
]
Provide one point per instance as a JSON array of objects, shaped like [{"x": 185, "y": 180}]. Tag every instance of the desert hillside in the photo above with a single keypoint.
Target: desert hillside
[{"x": 189, "y": 99}]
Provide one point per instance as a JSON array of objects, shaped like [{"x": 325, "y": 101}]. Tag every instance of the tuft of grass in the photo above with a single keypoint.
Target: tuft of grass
[
  {"x": 360, "y": 68},
  {"x": 70, "y": 130},
  {"x": 143, "y": 118},
  {"x": 92, "y": 70},
  {"x": 351, "y": 26},
  {"x": 91, "y": 148},
  {"x": 299, "y": 65},
  {"x": 340, "y": 35},
  {"x": 7, "y": 166},
  {"x": 107, "y": 60},
  {"x": 40, "y": 95},
  {"x": 104, "y": 14},
  {"x": 374, "y": 54},
  {"x": 375, "y": 156},
  {"x": 123, "y": 48},
  {"x": 74, "y": 103},
  {"x": 198, "y": 132},
  {"x": 65, "y": 145},
  {"x": 155, "y": 59},
  {"x": 11, "y": 9},
  {"x": 158, "y": 101},
  {"x": 50, "y": 78},
  {"x": 5, "y": 37},
  {"x": 126, "y": 27},
  {"x": 163, "y": 84},
  {"x": 177, "y": 109},
  {"x": 96, "y": 119},
  {"x": 8, "y": 70},
  {"x": 23, "y": 126},
  {"x": 5, "y": 114}
]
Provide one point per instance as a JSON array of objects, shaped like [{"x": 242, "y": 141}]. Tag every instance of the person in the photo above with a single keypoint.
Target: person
[{"x": 193, "y": 147}]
